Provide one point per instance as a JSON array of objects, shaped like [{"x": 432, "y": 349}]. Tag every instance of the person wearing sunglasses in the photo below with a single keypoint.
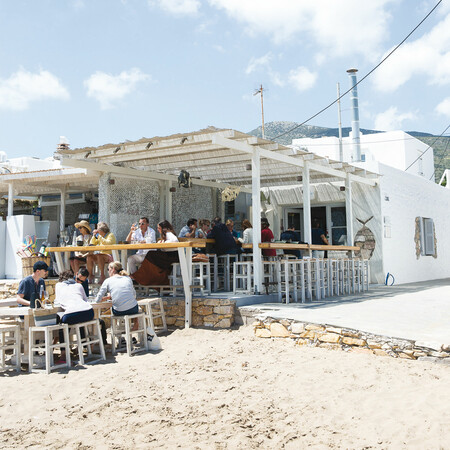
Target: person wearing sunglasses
[{"x": 142, "y": 234}]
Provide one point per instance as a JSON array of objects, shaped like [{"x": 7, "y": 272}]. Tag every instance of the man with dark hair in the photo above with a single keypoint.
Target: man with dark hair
[
  {"x": 33, "y": 285},
  {"x": 82, "y": 278},
  {"x": 189, "y": 230},
  {"x": 143, "y": 235},
  {"x": 290, "y": 235},
  {"x": 225, "y": 243}
]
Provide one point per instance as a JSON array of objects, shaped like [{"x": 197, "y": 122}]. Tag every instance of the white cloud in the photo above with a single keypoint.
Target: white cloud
[
  {"x": 302, "y": 79},
  {"x": 178, "y": 7},
  {"x": 23, "y": 88},
  {"x": 258, "y": 63},
  {"x": 391, "y": 119},
  {"x": 107, "y": 88},
  {"x": 444, "y": 107},
  {"x": 339, "y": 27},
  {"x": 428, "y": 56}
]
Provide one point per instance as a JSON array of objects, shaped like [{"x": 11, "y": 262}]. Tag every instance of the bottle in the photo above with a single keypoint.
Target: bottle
[
  {"x": 74, "y": 239},
  {"x": 41, "y": 295}
]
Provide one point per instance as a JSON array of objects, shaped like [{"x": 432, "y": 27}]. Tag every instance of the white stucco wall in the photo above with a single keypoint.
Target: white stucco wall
[{"x": 403, "y": 198}]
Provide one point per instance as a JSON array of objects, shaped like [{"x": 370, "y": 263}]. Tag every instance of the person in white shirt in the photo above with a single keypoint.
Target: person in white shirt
[
  {"x": 143, "y": 234},
  {"x": 157, "y": 265},
  {"x": 247, "y": 235}
]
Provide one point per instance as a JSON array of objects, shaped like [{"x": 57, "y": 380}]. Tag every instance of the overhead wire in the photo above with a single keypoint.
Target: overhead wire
[{"x": 364, "y": 77}]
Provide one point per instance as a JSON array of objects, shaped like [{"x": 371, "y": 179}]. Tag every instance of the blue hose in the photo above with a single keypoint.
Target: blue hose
[{"x": 389, "y": 275}]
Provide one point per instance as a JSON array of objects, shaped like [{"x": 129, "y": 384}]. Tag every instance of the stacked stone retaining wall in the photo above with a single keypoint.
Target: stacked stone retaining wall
[{"x": 335, "y": 338}]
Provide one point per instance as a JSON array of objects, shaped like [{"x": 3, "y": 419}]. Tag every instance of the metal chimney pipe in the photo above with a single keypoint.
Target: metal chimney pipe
[{"x": 356, "y": 140}]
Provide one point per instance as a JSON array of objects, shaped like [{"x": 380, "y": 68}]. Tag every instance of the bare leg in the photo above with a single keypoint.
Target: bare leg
[
  {"x": 101, "y": 261},
  {"x": 90, "y": 260}
]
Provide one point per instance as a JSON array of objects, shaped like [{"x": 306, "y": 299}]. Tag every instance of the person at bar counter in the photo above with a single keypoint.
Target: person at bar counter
[
  {"x": 32, "y": 285},
  {"x": 230, "y": 225},
  {"x": 157, "y": 265},
  {"x": 225, "y": 243},
  {"x": 203, "y": 229},
  {"x": 79, "y": 259},
  {"x": 189, "y": 230},
  {"x": 290, "y": 235},
  {"x": 247, "y": 235},
  {"x": 143, "y": 235},
  {"x": 101, "y": 236},
  {"x": 318, "y": 238},
  {"x": 267, "y": 236}
]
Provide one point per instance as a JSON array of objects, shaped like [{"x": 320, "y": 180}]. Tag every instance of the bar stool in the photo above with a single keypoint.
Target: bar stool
[
  {"x": 151, "y": 315},
  {"x": 10, "y": 340},
  {"x": 201, "y": 276},
  {"x": 92, "y": 335},
  {"x": 242, "y": 277},
  {"x": 41, "y": 340},
  {"x": 226, "y": 261},
  {"x": 121, "y": 328}
]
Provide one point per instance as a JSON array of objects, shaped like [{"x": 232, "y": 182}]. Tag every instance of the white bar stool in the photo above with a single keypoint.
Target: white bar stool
[
  {"x": 242, "y": 277},
  {"x": 45, "y": 345},
  {"x": 92, "y": 335},
  {"x": 151, "y": 314},
  {"x": 10, "y": 340},
  {"x": 121, "y": 327}
]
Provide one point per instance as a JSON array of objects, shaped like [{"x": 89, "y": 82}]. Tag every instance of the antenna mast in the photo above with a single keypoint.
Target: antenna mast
[
  {"x": 341, "y": 151},
  {"x": 260, "y": 91}
]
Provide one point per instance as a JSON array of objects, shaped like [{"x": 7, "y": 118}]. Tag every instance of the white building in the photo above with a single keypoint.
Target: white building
[{"x": 393, "y": 148}]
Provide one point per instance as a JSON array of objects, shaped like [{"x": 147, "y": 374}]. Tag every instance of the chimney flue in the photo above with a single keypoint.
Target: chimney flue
[{"x": 356, "y": 147}]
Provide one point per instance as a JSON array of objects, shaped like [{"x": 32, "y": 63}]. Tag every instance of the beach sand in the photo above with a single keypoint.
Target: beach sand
[{"x": 227, "y": 389}]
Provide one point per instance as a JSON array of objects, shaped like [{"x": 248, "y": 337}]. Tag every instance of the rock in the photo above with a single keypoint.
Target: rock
[
  {"x": 427, "y": 359},
  {"x": 329, "y": 346},
  {"x": 386, "y": 346},
  {"x": 308, "y": 335},
  {"x": 353, "y": 341},
  {"x": 311, "y": 327},
  {"x": 223, "y": 309},
  {"x": 262, "y": 333},
  {"x": 204, "y": 310},
  {"x": 302, "y": 342},
  {"x": 419, "y": 354},
  {"x": 213, "y": 302},
  {"x": 197, "y": 321},
  {"x": 439, "y": 354},
  {"x": 223, "y": 323},
  {"x": 379, "y": 352},
  {"x": 285, "y": 322},
  {"x": 333, "y": 330},
  {"x": 278, "y": 330},
  {"x": 408, "y": 352},
  {"x": 446, "y": 347},
  {"x": 373, "y": 344},
  {"x": 405, "y": 356},
  {"x": 171, "y": 320},
  {"x": 179, "y": 323},
  {"x": 297, "y": 328},
  {"x": 351, "y": 333},
  {"x": 331, "y": 338},
  {"x": 429, "y": 344}
]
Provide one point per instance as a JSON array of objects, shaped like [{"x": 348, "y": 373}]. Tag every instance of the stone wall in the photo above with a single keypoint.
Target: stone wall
[
  {"x": 214, "y": 313},
  {"x": 333, "y": 338}
]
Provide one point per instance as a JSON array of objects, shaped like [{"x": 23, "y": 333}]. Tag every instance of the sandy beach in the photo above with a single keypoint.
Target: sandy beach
[{"x": 228, "y": 389}]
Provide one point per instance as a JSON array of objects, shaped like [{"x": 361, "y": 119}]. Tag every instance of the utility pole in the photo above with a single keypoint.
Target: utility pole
[
  {"x": 341, "y": 151},
  {"x": 260, "y": 91}
]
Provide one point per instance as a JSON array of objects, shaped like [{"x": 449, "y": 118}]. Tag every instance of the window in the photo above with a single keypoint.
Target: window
[{"x": 427, "y": 236}]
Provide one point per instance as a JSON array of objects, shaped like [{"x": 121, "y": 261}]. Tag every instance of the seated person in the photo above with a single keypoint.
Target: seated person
[
  {"x": 225, "y": 243},
  {"x": 144, "y": 235},
  {"x": 71, "y": 298},
  {"x": 203, "y": 229},
  {"x": 267, "y": 236},
  {"x": 101, "y": 236},
  {"x": 230, "y": 225},
  {"x": 32, "y": 285},
  {"x": 80, "y": 257},
  {"x": 189, "y": 230},
  {"x": 157, "y": 265},
  {"x": 82, "y": 278},
  {"x": 291, "y": 235},
  {"x": 247, "y": 235},
  {"x": 119, "y": 289}
]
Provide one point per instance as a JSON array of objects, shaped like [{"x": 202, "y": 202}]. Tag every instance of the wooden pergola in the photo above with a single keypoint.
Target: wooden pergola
[{"x": 220, "y": 158}]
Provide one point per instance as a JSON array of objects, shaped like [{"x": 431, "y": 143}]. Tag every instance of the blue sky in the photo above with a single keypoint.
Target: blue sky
[{"x": 104, "y": 71}]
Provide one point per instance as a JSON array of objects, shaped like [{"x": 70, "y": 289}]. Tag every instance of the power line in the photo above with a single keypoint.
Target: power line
[
  {"x": 364, "y": 77},
  {"x": 428, "y": 148}
]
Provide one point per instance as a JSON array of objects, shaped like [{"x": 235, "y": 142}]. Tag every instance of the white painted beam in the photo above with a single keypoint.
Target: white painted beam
[
  {"x": 349, "y": 208},
  {"x": 256, "y": 219},
  {"x": 10, "y": 199},
  {"x": 306, "y": 205}
]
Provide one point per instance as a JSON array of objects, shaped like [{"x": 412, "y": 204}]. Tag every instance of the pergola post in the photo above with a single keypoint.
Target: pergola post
[
  {"x": 169, "y": 201},
  {"x": 10, "y": 199},
  {"x": 256, "y": 219},
  {"x": 306, "y": 205},
  {"x": 165, "y": 200},
  {"x": 349, "y": 208},
  {"x": 62, "y": 209}
]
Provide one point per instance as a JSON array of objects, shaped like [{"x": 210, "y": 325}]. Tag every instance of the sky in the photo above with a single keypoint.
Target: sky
[{"x": 107, "y": 71}]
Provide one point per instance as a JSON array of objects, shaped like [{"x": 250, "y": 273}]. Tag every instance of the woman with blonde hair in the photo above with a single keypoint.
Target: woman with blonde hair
[
  {"x": 119, "y": 289},
  {"x": 101, "y": 236}
]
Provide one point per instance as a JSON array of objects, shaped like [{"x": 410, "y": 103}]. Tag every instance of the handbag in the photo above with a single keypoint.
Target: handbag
[{"x": 44, "y": 317}]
